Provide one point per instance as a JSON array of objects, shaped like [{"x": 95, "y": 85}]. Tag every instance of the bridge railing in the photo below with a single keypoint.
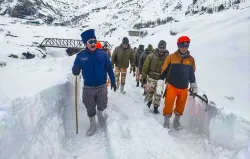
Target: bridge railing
[{"x": 66, "y": 43}]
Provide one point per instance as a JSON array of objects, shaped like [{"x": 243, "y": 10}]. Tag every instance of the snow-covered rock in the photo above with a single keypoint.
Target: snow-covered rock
[{"x": 2, "y": 63}]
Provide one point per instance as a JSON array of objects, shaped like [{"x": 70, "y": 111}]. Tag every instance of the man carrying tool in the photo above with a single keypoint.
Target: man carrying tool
[
  {"x": 95, "y": 64},
  {"x": 178, "y": 70}
]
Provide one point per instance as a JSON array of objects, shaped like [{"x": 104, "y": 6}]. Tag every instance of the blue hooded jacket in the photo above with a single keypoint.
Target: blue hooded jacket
[{"x": 95, "y": 66}]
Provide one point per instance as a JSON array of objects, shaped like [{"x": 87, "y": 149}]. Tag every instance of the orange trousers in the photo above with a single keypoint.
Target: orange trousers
[{"x": 171, "y": 94}]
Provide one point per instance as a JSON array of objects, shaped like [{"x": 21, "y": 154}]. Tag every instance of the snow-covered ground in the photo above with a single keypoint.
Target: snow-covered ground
[{"x": 37, "y": 117}]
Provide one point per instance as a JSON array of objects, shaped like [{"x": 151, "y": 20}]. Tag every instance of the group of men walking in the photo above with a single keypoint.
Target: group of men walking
[{"x": 153, "y": 67}]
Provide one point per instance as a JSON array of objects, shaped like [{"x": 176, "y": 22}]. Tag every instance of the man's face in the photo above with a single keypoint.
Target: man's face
[
  {"x": 183, "y": 47},
  {"x": 125, "y": 46},
  {"x": 161, "y": 50},
  {"x": 91, "y": 44},
  {"x": 183, "y": 50}
]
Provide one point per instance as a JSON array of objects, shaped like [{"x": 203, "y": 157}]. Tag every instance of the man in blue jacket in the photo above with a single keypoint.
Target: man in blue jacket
[{"x": 95, "y": 64}]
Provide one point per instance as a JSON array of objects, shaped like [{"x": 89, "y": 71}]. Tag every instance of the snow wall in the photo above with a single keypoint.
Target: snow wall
[
  {"x": 34, "y": 126},
  {"x": 222, "y": 129}
]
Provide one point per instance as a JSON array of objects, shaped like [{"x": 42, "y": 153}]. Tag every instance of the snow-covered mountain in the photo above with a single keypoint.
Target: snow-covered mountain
[{"x": 110, "y": 15}]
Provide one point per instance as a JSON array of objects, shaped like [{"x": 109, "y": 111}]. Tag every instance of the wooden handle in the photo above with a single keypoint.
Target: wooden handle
[{"x": 76, "y": 104}]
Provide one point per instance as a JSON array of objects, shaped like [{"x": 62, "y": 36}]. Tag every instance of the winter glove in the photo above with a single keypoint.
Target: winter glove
[
  {"x": 113, "y": 86},
  {"x": 160, "y": 87},
  {"x": 144, "y": 81},
  {"x": 194, "y": 88}
]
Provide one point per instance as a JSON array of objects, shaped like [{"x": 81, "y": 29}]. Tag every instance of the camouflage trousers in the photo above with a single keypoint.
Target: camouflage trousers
[
  {"x": 120, "y": 72},
  {"x": 137, "y": 74},
  {"x": 150, "y": 90}
]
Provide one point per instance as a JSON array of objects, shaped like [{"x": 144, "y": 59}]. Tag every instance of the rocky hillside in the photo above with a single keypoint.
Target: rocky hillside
[{"x": 110, "y": 15}]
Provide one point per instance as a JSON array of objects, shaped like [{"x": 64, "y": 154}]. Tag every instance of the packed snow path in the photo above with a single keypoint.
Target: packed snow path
[{"x": 133, "y": 131}]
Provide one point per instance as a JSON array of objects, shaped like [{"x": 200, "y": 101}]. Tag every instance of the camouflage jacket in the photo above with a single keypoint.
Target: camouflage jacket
[
  {"x": 143, "y": 59},
  {"x": 121, "y": 57},
  {"x": 153, "y": 65}
]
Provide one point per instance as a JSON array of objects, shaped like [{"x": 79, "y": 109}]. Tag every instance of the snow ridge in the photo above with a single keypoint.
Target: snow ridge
[{"x": 33, "y": 126}]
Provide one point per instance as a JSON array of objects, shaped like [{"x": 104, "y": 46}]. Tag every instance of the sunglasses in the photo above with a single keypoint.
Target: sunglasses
[
  {"x": 183, "y": 44},
  {"x": 92, "y": 41},
  {"x": 162, "y": 48}
]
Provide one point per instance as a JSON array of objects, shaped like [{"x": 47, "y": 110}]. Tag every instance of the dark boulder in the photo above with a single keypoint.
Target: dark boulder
[
  {"x": 22, "y": 9},
  {"x": 2, "y": 63},
  {"x": 28, "y": 55},
  {"x": 13, "y": 56},
  {"x": 72, "y": 51}
]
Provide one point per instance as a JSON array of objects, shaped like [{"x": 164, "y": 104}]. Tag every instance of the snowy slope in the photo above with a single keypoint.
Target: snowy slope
[
  {"x": 223, "y": 61},
  {"x": 37, "y": 96},
  {"x": 109, "y": 15}
]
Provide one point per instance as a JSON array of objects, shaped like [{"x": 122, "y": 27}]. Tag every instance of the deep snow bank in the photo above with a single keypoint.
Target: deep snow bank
[
  {"x": 224, "y": 130},
  {"x": 32, "y": 97},
  {"x": 32, "y": 127}
]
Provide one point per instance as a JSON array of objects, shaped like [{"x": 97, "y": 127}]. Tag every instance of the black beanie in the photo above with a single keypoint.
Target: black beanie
[
  {"x": 141, "y": 48},
  {"x": 125, "y": 41},
  {"x": 162, "y": 43}
]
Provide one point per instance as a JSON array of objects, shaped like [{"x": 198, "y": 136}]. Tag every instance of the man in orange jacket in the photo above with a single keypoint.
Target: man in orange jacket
[{"x": 178, "y": 70}]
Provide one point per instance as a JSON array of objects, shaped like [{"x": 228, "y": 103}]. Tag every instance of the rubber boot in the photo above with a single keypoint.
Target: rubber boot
[
  {"x": 92, "y": 127},
  {"x": 137, "y": 84},
  {"x": 122, "y": 89},
  {"x": 100, "y": 117},
  {"x": 166, "y": 123},
  {"x": 156, "y": 109},
  {"x": 149, "y": 103},
  {"x": 176, "y": 122},
  {"x": 117, "y": 85}
]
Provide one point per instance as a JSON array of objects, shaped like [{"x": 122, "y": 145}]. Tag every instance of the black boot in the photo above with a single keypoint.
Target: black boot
[
  {"x": 134, "y": 74},
  {"x": 142, "y": 85},
  {"x": 137, "y": 84},
  {"x": 149, "y": 103},
  {"x": 156, "y": 109}
]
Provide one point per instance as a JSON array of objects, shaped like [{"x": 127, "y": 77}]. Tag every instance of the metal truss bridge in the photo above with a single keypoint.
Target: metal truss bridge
[{"x": 66, "y": 43}]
